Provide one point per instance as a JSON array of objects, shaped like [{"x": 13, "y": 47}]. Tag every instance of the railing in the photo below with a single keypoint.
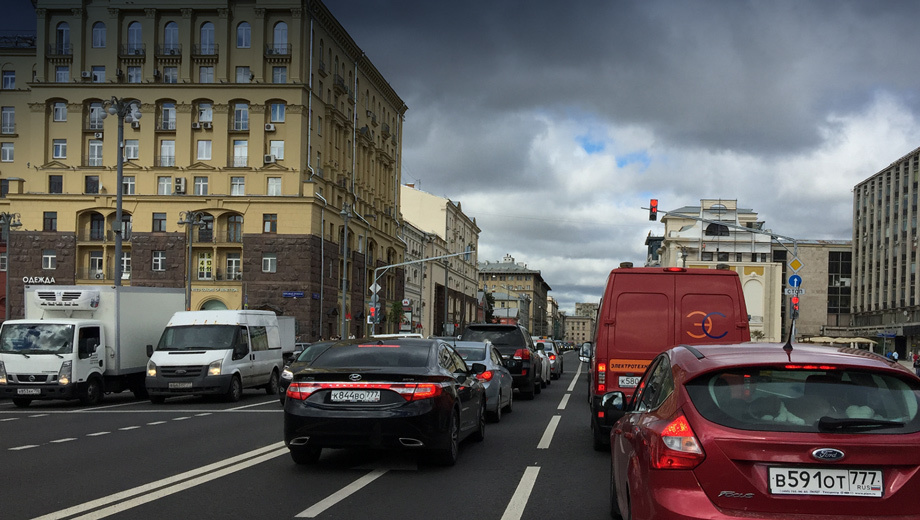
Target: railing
[
  {"x": 209, "y": 49},
  {"x": 167, "y": 124},
  {"x": 278, "y": 49},
  {"x": 238, "y": 161},
  {"x": 57, "y": 49},
  {"x": 170, "y": 49},
  {"x": 133, "y": 49},
  {"x": 165, "y": 161}
]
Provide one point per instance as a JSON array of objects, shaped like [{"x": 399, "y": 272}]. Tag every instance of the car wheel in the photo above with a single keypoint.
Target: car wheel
[
  {"x": 529, "y": 392},
  {"x": 509, "y": 406},
  {"x": 600, "y": 444},
  {"x": 235, "y": 393},
  {"x": 538, "y": 387},
  {"x": 496, "y": 416},
  {"x": 448, "y": 456},
  {"x": 157, "y": 399},
  {"x": 480, "y": 434},
  {"x": 272, "y": 387},
  {"x": 21, "y": 402},
  {"x": 614, "y": 506},
  {"x": 92, "y": 393},
  {"x": 305, "y": 454}
]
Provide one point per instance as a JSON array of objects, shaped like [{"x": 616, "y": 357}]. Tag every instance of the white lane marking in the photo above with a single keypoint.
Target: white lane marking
[
  {"x": 20, "y": 448},
  {"x": 202, "y": 414},
  {"x": 181, "y": 418},
  {"x": 575, "y": 379},
  {"x": 156, "y": 423},
  {"x": 126, "y": 428},
  {"x": 39, "y": 415},
  {"x": 563, "y": 402},
  {"x": 229, "y": 465},
  {"x": 341, "y": 494},
  {"x": 9, "y": 419},
  {"x": 97, "y": 434},
  {"x": 64, "y": 440},
  {"x": 106, "y": 407},
  {"x": 548, "y": 433},
  {"x": 518, "y": 502},
  {"x": 273, "y": 401}
]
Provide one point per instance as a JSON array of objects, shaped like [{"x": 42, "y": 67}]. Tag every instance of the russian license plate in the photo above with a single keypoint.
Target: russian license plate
[
  {"x": 355, "y": 396},
  {"x": 836, "y": 482},
  {"x": 629, "y": 381},
  {"x": 180, "y": 385},
  {"x": 28, "y": 391}
]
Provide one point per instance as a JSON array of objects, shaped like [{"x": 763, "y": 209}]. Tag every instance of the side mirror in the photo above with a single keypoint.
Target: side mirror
[
  {"x": 149, "y": 350},
  {"x": 613, "y": 403},
  {"x": 540, "y": 346},
  {"x": 584, "y": 359},
  {"x": 478, "y": 368}
]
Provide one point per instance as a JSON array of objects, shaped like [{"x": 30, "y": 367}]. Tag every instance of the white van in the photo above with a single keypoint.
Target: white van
[{"x": 215, "y": 353}]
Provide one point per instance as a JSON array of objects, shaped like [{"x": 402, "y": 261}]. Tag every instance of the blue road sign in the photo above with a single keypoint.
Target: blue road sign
[{"x": 795, "y": 280}]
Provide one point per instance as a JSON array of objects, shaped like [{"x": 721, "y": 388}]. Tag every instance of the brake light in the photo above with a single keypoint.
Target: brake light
[
  {"x": 485, "y": 376},
  {"x": 522, "y": 353},
  {"x": 409, "y": 391},
  {"x": 810, "y": 367},
  {"x": 552, "y": 357},
  {"x": 675, "y": 270},
  {"x": 675, "y": 446},
  {"x": 601, "y": 378}
]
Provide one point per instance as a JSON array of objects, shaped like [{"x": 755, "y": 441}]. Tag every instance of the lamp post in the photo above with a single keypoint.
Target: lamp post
[
  {"x": 7, "y": 221},
  {"x": 126, "y": 110},
  {"x": 346, "y": 214},
  {"x": 188, "y": 219}
]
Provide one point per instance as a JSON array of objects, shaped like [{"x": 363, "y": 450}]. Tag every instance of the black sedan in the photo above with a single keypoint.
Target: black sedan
[
  {"x": 395, "y": 393},
  {"x": 301, "y": 360}
]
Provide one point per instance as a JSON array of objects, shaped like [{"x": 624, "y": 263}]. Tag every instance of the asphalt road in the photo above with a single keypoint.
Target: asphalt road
[{"x": 197, "y": 458}]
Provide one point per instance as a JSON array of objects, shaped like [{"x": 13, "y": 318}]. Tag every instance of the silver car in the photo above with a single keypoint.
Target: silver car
[
  {"x": 496, "y": 379},
  {"x": 554, "y": 355}
]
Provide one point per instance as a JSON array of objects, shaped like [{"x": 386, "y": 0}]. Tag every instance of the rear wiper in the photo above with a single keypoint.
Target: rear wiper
[{"x": 833, "y": 423}]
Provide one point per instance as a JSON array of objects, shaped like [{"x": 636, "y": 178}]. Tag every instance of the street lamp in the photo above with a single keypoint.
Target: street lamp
[
  {"x": 126, "y": 110},
  {"x": 346, "y": 214},
  {"x": 7, "y": 221},
  {"x": 188, "y": 219}
]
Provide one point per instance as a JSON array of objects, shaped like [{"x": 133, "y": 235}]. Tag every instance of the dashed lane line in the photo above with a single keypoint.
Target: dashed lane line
[
  {"x": 549, "y": 432},
  {"x": 333, "y": 499},
  {"x": 518, "y": 502}
]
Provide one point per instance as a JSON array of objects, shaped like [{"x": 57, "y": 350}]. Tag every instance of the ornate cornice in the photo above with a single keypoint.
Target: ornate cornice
[{"x": 150, "y": 12}]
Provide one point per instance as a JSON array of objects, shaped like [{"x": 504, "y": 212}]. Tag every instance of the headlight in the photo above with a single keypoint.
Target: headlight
[
  {"x": 65, "y": 374},
  {"x": 2, "y": 374},
  {"x": 151, "y": 368},
  {"x": 287, "y": 375},
  {"x": 214, "y": 368}
]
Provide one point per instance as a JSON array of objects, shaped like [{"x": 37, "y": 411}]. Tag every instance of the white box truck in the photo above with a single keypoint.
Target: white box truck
[{"x": 82, "y": 341}]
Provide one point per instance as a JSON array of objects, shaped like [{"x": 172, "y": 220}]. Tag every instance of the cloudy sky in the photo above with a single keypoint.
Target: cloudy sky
[{"x": 553, "y": 123}]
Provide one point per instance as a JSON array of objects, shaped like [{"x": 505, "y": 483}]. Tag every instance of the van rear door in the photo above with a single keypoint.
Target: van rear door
[{"x": 710, "y": 310}]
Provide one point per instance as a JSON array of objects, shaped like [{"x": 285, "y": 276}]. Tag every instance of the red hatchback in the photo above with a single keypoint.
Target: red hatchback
[{"x": 763, "y": 431}]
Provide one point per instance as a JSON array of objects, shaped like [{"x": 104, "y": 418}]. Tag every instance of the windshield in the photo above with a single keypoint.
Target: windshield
[
  {"x": 36, "y": 338},
  {"x": 411, "y": 355},
  {"x": 509, "y": 336},
  {"x": 471, "y": 353},
  {"x": 199, "y": 337}
]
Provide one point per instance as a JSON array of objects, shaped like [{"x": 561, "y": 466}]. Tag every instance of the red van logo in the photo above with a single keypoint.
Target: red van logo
[{"x": 705, "y": 325}]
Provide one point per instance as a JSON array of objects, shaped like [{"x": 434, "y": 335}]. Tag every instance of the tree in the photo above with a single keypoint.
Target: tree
[
  {"x": 490, "y": 304},
  {"x": 395, "y": 315}
]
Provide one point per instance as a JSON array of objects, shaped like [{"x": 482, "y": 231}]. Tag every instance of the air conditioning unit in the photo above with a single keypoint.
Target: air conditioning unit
[
  {"x": 206, "y": 125},
  {"x": 98, "y": 135},
  {"x": 269, "y": 159},
  {"x": 136, "y": 52},
  {"x": 173, "y": 52},
  {"x": 98, "y": 276},
  {"x": 180, "y": 185},
  {"x": 196, "y": 126},
  {"x": 269, "y": 127},
  {"x": 135, "y": 124},
  {"x": 86, "y": 74}
]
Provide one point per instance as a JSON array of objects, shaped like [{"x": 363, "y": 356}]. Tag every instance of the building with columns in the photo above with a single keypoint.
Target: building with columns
[{"x": 519, "y": 280}]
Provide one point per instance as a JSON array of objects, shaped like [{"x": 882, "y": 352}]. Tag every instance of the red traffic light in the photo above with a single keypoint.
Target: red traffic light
[
  {"x": 372, "y": 311},
  {"x": 653, "y": 209},
  {"x": 795, "y": 300}
]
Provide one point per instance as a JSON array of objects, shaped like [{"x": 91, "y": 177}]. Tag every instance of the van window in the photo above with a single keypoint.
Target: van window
[{"x": 258, "y": 338}]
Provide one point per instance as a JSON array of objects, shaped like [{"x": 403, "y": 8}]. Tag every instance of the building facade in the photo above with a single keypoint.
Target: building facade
[
  {"x": 579, "y": 329},
  {"x": 264, "y": 133},
  {"x": 520, "y": 281}
]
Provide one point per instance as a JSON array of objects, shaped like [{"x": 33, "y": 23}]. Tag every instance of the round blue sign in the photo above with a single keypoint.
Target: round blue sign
[{"x": 795, "y": 280}]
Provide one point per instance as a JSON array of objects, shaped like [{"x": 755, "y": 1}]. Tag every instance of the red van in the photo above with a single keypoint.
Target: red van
[{"x": 647, "y": 310}]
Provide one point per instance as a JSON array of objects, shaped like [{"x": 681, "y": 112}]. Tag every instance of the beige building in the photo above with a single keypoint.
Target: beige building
[
  {"x": 579, "y": 329},
  {"x": 264, "y": 125},
  {"x": 445, "y": 230},
  {"x": 520, "y": 281}
]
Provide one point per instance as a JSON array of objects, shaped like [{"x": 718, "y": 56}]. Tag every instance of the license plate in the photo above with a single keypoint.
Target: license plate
[
  {"x": 629, "y": 381},
  {"x": 836, "y": 482},
  {"x": 29, "y": 391},
  {"x": 180, "y": 385},
  {"x": 355, "y": 396}
]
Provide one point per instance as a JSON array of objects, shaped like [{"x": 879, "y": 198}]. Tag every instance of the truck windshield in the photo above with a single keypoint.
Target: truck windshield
[
  {"x": 35, "y": 338},
  {"x": 199, "y": 337}
]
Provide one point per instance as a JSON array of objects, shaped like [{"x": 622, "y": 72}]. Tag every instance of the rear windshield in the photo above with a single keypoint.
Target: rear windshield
[
  {"x": 374, "y": 355},
  {"x": 808, "y": 400},
  {"x": 471, "y": 353},
  {"x": 499, "y": 336}
]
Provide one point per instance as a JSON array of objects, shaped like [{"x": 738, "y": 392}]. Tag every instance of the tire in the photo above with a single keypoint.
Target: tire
[
  {"x": 140, "y": 392},
  {"x": 235, "y": 392},
  {"x": 22, "y": 402},
  {"x": 509, "y": 407},
  {"x": 528, "y": 395},
  {"x": 92, "y": 393},
  {"x": 496, "y": 416},
  {"x": 448, "y": 456},
  {"x": 538, "y": 387},
  {"x": 614, "y": 506},
  {"x": 305, "y": 455},
  {"x": 480, "y": 434},
  {"x": 157, "y": 399},
  {"x": 272, "y": 387},
  {"x": 600, "y": 444}
]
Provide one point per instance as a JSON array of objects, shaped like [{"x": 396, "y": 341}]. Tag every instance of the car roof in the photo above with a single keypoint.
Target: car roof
[{"x": 697, "y": 359}]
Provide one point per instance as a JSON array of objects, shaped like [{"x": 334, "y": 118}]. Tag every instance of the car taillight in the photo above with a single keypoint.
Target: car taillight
[
  {"x": 485, "y": 376},
  {"x": 522, "y": 353},
  {"x": 675, "y": 446},
  {"x": 601, "y": 378},
  {"x": 409, "y": 391},
  {"x": 552, "y": 357}
]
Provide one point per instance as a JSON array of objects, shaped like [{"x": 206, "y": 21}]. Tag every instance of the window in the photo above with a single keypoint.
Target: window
[
  {"x": 277, "y": 115},
  {"x": 243, "y": 75},
  {"x": 168, "y": 116},
  {"x": 243, "y": 36},
  {"x": 49, "y": 259},
  {"x": 49, "y": 221},
  {"x": 62, "y": 38},
  {"x": 205, "y": 112},
  {"x": 4, "y": 261},
  {"x": 280, "y": 37},
  {"x": 96, "y": 227},
  {"x": 234, "y": 266},
  {"x": 159, "y": 260},
  {"x": 62, "y": 73},
  {"x": 235, "y": 228},
  {"x": 125, "y": 265},
  {"x": 237, "y": 186},
  {"x": 205, "y": 265},
  {"x": 269, "y": 263},
  {"x": 95, "y": 264},
  {"x": 241, "y": 116},
  {"x": 98, "y": 35},
  {"x": 319, "y": 126},
  {"x": 274, "y": 187},
  {"x": 8, "y": 120},
  {"x": 59, "y": 149},
  {"x": 55, "y": 184},
  {"x": 204, "y": 150},
  {"x": 9, "y": 80},
  {"x": 95, "y": 153},
  {"x": 207, "y": 38},
  {"x": 6, "y": 152},
  {"x": 91, "y": 184},
  {"x": 167, "y": 153},
  {"x": 279, "y": 74},
  {"x": 132, "y": 149},
  {"x": 276, "y": 148},
  {"x": 159, "y": 222},
  {"x": 240, "y": 153},
  {"x": 206, "y": 74},
  {"x": 127, "y": 185},
  {"x": 59, "y": 111},
  {"x": 135, "y": 38},
  {"x": 201, "y": 185},
  {"x": 269, "y": 222},
  {"x": 164, "y": 185},
  {"x": 170, "y": 74},
  {"x": 171, "y": 37},
  {"x": 134, "y": 74},
  {"x": 96, "y": 116},
  {"x": 98, "y": 74}
]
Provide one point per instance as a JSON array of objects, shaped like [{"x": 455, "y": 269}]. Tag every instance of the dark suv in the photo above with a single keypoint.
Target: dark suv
[{"x": 517, "y": 350}]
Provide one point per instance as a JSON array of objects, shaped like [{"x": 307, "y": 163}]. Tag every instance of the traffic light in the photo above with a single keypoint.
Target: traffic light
[
  {"x": 653, "y": 209},
  {"x": 372, "y": 314},
  {"x": 795, "y": 306}
]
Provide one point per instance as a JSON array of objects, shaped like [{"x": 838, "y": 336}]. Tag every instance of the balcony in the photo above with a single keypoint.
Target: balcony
[
  {"x": 165, "y": 161},
  {"x": 338, "y": 84},
  {"x": 132, "y": 50},
  {"x": 208, "y": 49},
  {"x": 171, "y": 49},
  {"x": 278, "y": 50},
  {"x": 238, "y": 161},
  {"x": 166, "y": 125},
  {"x": 57, "y": 50}
]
